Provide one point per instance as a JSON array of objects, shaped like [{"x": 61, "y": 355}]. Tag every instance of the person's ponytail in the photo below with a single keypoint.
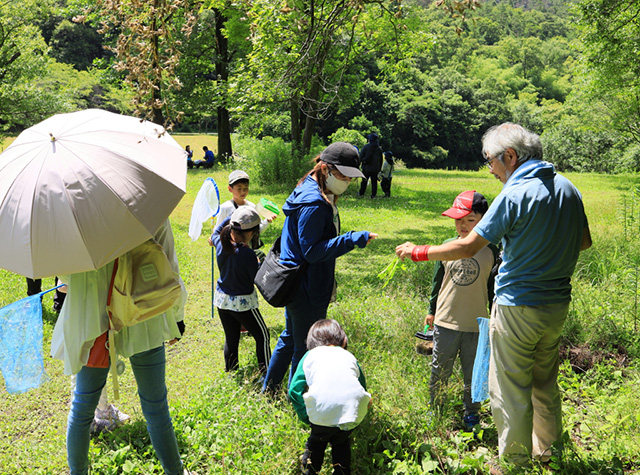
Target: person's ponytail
[
  {"x": 225, "y": 240},
  {"x": 316, "y": 172}
]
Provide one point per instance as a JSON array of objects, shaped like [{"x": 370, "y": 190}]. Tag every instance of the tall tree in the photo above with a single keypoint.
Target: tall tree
[
  {"x": 211, "y": 55},
  {"x": 24, "y": 100},
  {"x": 148, "y": 50},
  {"x": 611, "y": 33},
  {"x": 302, "y": 50}
]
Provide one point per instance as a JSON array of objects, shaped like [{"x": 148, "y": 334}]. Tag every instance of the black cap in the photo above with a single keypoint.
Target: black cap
[{"x": 344, "y": 157}]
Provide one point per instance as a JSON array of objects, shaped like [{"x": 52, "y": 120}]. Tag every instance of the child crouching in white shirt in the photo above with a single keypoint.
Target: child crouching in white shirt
[{"x": 328, "y": 391}]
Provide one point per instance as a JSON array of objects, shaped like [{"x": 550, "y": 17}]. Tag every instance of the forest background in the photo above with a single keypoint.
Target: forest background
[{"x": 428, "y": 77}]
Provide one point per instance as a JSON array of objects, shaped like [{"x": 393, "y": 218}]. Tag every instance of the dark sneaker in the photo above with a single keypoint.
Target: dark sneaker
[
  {"x": 102, "y": 425},
  {"x": 470, "y": 421}
]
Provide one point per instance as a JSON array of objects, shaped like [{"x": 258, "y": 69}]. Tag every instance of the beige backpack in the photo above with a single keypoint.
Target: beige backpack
[{"x": 143, "y": 285}]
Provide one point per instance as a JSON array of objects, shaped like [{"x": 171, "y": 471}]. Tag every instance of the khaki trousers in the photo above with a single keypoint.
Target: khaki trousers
[{"x": 523, "y": 387}]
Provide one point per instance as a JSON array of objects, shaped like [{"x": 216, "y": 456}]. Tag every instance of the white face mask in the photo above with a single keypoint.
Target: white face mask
[{"x": 335, "y": 186}]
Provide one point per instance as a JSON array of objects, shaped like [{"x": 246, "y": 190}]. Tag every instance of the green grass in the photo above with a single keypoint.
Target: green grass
[
  {"x": 225, "y": 426},
  {"x": 197, "y": 141},
  {"x": 5, "y": 142}
]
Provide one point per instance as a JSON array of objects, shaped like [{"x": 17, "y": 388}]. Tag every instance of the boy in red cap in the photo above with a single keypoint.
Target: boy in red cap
[{"x": 461, "y": 292}]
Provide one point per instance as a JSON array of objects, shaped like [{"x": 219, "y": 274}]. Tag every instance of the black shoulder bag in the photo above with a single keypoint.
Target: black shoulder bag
[{"x": 278, "y": 282}]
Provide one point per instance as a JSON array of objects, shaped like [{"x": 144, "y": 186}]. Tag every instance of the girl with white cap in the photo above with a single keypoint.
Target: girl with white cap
[{"x": 235, "y": 296}]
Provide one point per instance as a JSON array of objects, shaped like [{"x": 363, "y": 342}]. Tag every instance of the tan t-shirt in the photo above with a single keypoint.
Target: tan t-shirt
[{"x": 463, "y": 295}]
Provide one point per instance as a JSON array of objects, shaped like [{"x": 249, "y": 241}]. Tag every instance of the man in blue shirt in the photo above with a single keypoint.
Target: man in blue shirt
[
  {"x": 540, "y": 219},
  {"x": 208, "y": 159}
]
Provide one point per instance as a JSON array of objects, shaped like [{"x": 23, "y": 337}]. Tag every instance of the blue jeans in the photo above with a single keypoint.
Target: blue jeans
[
  {"x": 148, "y": 368},
  {"x": 299, "y": 316}
]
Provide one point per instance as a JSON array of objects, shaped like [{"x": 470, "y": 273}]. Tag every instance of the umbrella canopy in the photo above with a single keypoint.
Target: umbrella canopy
[{"x": 78, "y": 190}]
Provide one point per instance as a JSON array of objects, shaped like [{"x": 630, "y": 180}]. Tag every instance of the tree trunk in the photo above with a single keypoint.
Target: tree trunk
[
  {"x": 311, "y": 115},
  {"x": 222, "y": 72},
  {"x": 296, "y": 128},
  {"x": 157, "y": 117},
  {"x": 224, "y": 134}
]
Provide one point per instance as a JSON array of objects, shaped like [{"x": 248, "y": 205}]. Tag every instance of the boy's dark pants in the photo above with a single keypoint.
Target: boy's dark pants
[
  {"x": 385, "y": 184},
  {"x": 340, "y": 441}
]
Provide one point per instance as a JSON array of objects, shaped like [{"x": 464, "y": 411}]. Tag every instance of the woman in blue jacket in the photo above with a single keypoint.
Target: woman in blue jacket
[{"x": 311, "y": 233}]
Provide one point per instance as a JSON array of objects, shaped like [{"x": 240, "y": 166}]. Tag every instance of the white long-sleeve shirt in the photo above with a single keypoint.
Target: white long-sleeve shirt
[{"x": 84, "y": 318}]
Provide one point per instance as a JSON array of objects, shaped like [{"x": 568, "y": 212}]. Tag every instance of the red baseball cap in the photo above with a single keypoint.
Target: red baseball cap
[{"x": 465, "y": 203}]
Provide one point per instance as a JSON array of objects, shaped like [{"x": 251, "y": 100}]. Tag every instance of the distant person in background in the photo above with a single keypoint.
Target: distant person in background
[
  {"x": 371, "y": 163},
  {"x": 189, "y": 153},
  {"x": 208, "y": 159},
  {"x": 386, "y": 174}
]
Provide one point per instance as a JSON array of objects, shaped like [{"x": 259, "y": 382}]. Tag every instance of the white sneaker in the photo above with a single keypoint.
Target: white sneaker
[{"x": 117, "y": 414}]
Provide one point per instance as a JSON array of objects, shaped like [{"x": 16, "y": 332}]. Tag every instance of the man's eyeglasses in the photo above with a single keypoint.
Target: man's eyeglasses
[{"x": 488, "y": 161}]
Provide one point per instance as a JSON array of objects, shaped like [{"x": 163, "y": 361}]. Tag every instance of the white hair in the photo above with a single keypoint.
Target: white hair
[{"x": 508, "y": 135}]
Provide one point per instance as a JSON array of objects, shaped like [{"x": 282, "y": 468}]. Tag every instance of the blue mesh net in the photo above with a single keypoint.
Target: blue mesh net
[
  {"x": 21, "y": 360},
  {"x": 480, "y": 380}
]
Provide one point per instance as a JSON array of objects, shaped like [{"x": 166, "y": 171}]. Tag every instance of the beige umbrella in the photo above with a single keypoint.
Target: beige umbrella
[{"x": 78, "y": 190}]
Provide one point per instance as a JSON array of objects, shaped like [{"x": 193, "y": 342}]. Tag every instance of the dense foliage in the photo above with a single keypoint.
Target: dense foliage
[{"x": 429, "y": 77}]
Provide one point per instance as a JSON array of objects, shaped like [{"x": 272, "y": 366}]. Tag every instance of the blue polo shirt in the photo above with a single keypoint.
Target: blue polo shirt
[{"x": 539, "y": 216}]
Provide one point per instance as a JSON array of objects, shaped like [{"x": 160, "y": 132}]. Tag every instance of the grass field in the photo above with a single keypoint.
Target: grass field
[{"x": 225, "y": 426}]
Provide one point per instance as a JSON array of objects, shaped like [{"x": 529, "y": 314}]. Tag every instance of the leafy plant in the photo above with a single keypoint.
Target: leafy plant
[{"x": 388, "y": 272}]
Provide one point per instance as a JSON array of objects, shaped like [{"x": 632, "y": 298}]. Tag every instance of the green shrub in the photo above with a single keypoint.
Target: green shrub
[
  {"x": 348, "y": 135},
  {"x": 269, "y": 161},
  {"x": 630, "y": 161}
]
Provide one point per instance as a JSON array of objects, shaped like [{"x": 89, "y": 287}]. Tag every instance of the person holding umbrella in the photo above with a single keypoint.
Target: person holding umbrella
[
  {"x": 93, "y": 185},
  {"x": 82, "y": 321}
]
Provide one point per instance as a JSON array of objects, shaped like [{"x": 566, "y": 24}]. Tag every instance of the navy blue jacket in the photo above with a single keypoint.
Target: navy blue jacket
[
  {"x": 309, "y": 234},
  {"x": 237, "y": 270},
  {"x": 371, "y": 158}
]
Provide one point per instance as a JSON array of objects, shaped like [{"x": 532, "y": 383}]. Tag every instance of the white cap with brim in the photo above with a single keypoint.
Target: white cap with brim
[
  {"x": 344, "y": 157},
  {"x": 236, "y": 176}
]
